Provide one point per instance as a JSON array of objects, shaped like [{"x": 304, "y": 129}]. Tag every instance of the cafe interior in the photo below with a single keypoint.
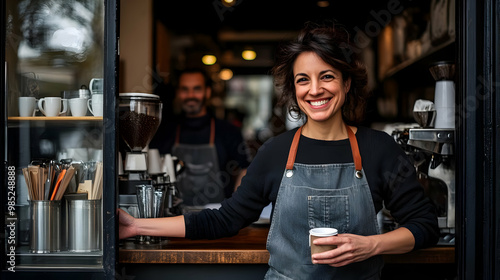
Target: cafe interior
[
  {"x": 235, "y": 42},
  {"x": 431, "y": 66}
]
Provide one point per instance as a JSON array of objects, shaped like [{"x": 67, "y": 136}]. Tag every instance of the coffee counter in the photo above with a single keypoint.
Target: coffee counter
[{"x": 248, "y": 247}]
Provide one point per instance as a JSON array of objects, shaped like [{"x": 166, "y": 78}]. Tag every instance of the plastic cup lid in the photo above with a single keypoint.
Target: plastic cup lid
[
  {"x": 139, "y": 94},
  {"x": 323, "y": 232}
]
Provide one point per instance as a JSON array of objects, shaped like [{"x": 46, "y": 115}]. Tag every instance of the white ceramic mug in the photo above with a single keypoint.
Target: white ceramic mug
[
  {"x": 78, "y": 106},
  {"x": 27, "y": 106},
  {"x": 95, "y": 105},
  {"x": 52, "y": 106},
  {"x": 154, "y": 162},
  {"x": 96, "y": 86}
]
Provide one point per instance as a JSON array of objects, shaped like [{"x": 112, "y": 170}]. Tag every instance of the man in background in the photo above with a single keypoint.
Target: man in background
[{"x": 213, "y": 150}]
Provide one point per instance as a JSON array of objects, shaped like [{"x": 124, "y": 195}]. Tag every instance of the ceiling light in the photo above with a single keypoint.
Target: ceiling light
[
  {"x": 209, "y": 59},
  {"x": 225, "y": 74},
  {"x": 228, "y": 3},
  {"x": 248, "y": 55},
  {"x": 323, "y": 4}
]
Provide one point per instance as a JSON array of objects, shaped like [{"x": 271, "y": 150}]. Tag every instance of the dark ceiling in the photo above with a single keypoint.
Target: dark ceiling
[
  {"x": 257, "y": 23},
  {"x": 210, "y": 15}
]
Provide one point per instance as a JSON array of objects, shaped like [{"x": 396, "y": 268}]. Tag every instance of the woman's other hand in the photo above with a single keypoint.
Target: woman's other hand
[{"x": 126, "y": 223}]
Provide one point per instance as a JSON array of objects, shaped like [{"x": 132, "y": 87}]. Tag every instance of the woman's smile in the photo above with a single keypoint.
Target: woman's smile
[{"x": 318, "y": 104}]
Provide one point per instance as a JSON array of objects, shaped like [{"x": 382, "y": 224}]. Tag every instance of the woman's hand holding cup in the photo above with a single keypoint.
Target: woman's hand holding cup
[{"x": 316, "y": 233}]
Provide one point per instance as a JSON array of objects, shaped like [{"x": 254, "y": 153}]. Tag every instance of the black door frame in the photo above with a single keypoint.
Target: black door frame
[{"x": 478, "y": 147}]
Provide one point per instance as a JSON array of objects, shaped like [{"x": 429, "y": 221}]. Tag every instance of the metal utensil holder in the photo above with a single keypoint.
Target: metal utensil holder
[
  {"x": 85, "y": 225},
  {"x": 45, "y": 227}
]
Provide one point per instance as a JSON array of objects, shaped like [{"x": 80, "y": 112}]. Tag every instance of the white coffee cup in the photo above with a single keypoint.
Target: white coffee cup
[
  {"x": 319, "y": 233},
  {"x": 78, "y": 107},
  {"x": 154, "y": 162},
  {"x": 27, "y": 106},
  {"x": 96, "y": 86},
  {"x": 52, "y": 106},
  {"x": 167, "y": 166},
  {"x": 95, "y": 105}
]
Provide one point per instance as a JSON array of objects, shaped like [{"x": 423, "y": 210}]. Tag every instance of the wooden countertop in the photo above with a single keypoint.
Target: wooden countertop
[{"x": 248, "y": 247}]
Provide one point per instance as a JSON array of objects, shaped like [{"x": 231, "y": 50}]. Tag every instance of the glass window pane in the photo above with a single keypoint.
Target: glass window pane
[{"x": 54, "y": 52}]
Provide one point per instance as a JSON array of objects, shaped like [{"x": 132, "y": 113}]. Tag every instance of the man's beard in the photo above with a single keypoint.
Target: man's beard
[{"x": 193, "y": 109}]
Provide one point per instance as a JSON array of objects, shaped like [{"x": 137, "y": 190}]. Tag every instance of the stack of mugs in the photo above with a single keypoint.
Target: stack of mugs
[{"x": 77, "y": 103}]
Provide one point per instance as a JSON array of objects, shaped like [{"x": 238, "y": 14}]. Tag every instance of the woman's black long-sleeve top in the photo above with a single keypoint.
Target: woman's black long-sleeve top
[{"x": 390, "y": 175}]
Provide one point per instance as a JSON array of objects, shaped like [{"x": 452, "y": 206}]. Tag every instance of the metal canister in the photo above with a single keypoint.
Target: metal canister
[
  {"x": 85, "y": 225},
  {"x": 45, "y": 227},
  {"x": 84, "y": 92}
]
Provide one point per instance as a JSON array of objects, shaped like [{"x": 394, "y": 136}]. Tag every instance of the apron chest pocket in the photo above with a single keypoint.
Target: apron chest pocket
[{"x": 329, "y": 211}]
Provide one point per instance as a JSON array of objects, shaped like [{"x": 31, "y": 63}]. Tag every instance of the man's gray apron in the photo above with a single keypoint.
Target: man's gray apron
[
  {"x": 200, "y": 182},
  {"x": 320, "y": 195}
]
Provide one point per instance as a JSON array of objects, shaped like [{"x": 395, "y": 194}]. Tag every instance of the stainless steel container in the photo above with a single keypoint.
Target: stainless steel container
[
  {"x": 150, "y": 203},
  {"x": 85, "y": 225},
  {"x": 45, "y": 230}
]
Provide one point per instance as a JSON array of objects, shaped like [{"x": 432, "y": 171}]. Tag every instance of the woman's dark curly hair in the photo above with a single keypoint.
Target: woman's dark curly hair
[{"x": 331, "y": 42}]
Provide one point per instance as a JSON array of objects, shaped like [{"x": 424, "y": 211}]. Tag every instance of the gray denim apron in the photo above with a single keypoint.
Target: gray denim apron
[
  {"x": 320, "y": 195},
  {"x": 200, "y": 182}
]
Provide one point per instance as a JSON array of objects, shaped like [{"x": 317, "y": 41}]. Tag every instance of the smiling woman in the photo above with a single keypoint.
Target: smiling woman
[{"x": 314, "y": 177}]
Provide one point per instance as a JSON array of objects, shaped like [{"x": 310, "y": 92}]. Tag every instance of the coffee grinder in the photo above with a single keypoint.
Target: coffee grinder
[
  {"x": 443, "y": 73},
  {"x": 139, "y": 119}
]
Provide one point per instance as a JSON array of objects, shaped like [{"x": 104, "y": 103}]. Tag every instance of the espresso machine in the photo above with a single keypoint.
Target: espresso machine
[
  {"x": 435, "y": 141},
  {"x": 439, "y": 180}
]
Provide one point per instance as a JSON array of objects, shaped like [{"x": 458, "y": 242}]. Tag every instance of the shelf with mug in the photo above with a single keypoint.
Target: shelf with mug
[
  {"x": 416, "y": 67},
  {"x": 63, "y": 121},
  {"x": 64, "y": 259},
  {"x": 66, "y": 118}
]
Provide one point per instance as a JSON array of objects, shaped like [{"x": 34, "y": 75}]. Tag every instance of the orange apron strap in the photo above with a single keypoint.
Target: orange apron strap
[
  {"x": 293, "y": 149},
  {"x": 355, "y": 150}
]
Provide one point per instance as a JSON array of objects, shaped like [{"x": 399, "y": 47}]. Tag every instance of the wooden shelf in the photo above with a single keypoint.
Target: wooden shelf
[
  {"x": 69, "y": 118},
  {"x": 393, "y": 71}
]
